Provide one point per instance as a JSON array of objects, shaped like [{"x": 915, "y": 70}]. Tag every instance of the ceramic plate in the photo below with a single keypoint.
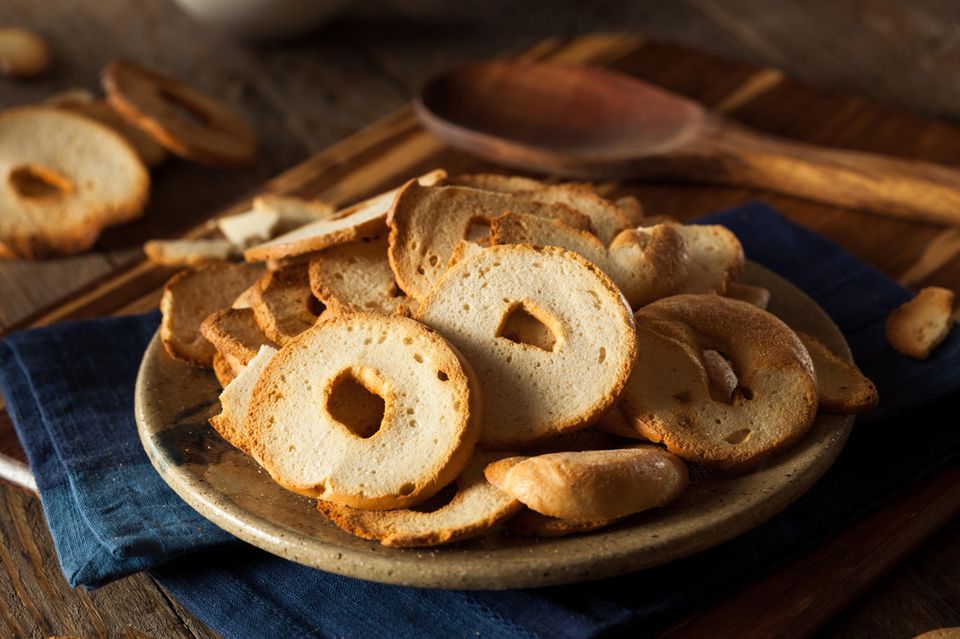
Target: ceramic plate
[{"x": 174, "y": 401}]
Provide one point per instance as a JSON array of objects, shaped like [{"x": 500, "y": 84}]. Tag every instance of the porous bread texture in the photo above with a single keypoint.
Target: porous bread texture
[
  {"x": 216, "y": 136},
  {"x": 23, "y": 54},
  {"x": 364, "y": 219},
  {"x": 715, "y": 257},
  {"x": 668, "y": 395},
  {"x": 476, "y": 507},
  {"x": 283, "y": 304},
  {"x": 234, "y": 331},
  {"x": 189, "y": 297},
  {"x": 427, "y": 224},
  {"x": 645, "y": 263},
  {"x": 841, "y": 387},
  {"x": 430, "y": 419},
  {"x": 180, "y": 253},
  {"x": 231, "y": 422},
  {"x": 530, "y": 523},
  {"x": 525, "y": 387},
  {"x": 592, "y": 485},
  {"x": 63, "y": 178},
  {"x": 607, "y": 219},
  {"x": 272, "y": 215},
  {"x": 916, "y": 327},
  {"x": 756, "y": 295},
  {"x": 223, "y": 370},
  {"x": 356, "y": 277},
  {"x": 149, "y": 151}
]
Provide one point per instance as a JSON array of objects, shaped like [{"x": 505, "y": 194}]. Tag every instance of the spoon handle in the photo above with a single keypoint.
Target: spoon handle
[{"x": 728, "y": 153}]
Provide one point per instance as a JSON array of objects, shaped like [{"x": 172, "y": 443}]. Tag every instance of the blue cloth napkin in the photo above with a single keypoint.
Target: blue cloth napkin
[{"x": 69, "y": 389}]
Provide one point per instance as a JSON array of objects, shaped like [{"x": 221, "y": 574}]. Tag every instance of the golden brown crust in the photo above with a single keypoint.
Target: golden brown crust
[
  {"x": 592, "y": 485},
  {"x": 186, "y": 253},
  {"x": 668, "y": 395},
  {"x": 223, "y": 370},
  {"x": 215, "y": 135},
  {"x": 356, "y": 277},
  {"x": 55, "y": 200},
  {"x": 234, "y": 332},
  {"x": 841, "y": 387},
  {"x": 916, "y": 327}
]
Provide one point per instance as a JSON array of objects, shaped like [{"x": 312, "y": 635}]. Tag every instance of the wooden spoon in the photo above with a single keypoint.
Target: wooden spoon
[{"x": 588, "y": 122}]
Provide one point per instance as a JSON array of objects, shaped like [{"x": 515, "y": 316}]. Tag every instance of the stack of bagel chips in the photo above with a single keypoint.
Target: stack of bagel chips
[{"x": 467, "y": 353}]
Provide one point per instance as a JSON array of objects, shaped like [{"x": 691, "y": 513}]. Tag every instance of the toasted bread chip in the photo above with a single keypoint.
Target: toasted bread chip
[
  {"x": 180, "y": 118},
  {"x": 645, "y": 263},
  {"x": 918, "y": 326},
  {"x": 234, "y": 332},
  {"x": 841, "y": 387},
  {"x": 231, "y": 422},
  {"x": 189, "y": 297},
  {"x": 476, "y": 506},
  {"x": 592, "y": 485},
  {"x": 189, "y": 252},
  {"x": 55, "y": 198},
  {"x": 477, "y": 304},
  {"x": 428, "y": 423},
  {"x": 427, "y": 223},
  {"x": 668, "y": 394},
  {"x": 149, "y": 151},
  {"x": 23, "y": 54},
  {"x": 631, "y": 208},
  {"x": 356, "y": 277},
  {"x": 530, "y": 523},
  {"x": 723, "y": 381},
  {"x": 756, "y": 295},
  {"x": 716, "y": 258},
  {"x": 283, "y": 304},
  {"x": 224, "y": 369},
  {"x": 613, "y": 421},
  {"x": 363, "y": 220},
  {"x": 606, "y": 218}
]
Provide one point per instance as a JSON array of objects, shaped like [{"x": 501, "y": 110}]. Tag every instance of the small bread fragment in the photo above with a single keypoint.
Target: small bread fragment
[
  {"x": 841, "y": 387},
  {"x": 234, "y": 332},
  {"x": 592, "y": 485},
  {"x": 530, "y": 523},
  {"x": 720, "y": 375},
  {"x": 645, "y": 263},
  {"x": 363, "y": 220},
  {"x": 756, "y": 295},
  {"x": 180, "y": 253},
  {"x": 283, "y": 304},
  {"x": 180, "y": 118},
  {"x": 55, "y": 198},
  {"x": 23, "y": 54},
  {"x": 270, "y": 216},
  {"x": 231, "y": 422},
  {"x": 149, "y": 151},
  {"x": 607, "y": 219},
  {"x": 668, "y": 395},
  {"x": 356, "y": 277},
  {"x": 427, "y": 224},
  {"x": 588, "y": 336},
  {"x": 428, "y": 422},
  {"x": 919, "y": 325},
  {"x": 476, "y": 506},
  {"x": 294, "y": 211},
  {"x": 189, "y": 297}
]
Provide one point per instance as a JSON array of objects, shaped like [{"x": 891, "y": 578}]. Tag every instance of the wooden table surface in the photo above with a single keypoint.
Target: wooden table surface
[{"x": 305, "y": 95}]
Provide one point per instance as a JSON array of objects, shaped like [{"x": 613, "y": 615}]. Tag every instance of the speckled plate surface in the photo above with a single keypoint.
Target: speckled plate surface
[{"x": 174, "y": 401}]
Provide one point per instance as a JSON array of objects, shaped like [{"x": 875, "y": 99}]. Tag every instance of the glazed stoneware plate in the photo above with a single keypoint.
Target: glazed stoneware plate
[{"x": 174, "y": 401}]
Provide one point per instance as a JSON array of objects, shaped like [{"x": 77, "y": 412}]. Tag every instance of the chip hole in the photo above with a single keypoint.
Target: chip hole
[
  {"x": 525, "y": 324},
  {"x": 478, "y": 231},
  {"x": 442, "y": 376},
  {"x": 354, "y": 402},
  {"x": 738, "y": 436},
  {"x": 36, "y": 182},
  {"x": 406, "y": 489}
]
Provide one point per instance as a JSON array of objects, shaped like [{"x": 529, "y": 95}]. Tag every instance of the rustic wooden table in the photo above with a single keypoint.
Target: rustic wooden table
[{"x": 305, "y": 95}]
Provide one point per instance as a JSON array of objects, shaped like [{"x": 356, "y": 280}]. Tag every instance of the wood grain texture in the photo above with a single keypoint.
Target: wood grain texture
[{"x": 306, "y": 94}]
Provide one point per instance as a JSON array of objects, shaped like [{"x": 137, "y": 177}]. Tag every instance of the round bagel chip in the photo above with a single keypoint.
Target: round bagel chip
[
  {"x": 63, "y": 178},
  {"x": 23, "y": 54},
  {"x": 180, "y": 118},
  {"x": 475, "y": 507}
]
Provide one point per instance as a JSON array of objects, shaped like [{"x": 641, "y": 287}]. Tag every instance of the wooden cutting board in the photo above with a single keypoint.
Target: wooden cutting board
[{"x": 799, "y": 598}]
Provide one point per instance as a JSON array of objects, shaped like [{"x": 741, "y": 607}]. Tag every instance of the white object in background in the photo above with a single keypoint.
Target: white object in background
[{"x": 263, "y": 19}]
